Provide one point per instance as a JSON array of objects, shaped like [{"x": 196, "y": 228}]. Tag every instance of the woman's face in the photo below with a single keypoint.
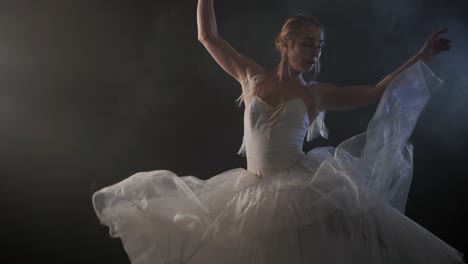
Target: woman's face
[{"x": 305, "y": 52}]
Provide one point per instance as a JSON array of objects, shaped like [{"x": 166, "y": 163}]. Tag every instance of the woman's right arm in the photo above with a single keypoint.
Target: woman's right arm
[{"x": 235, "y": 64}]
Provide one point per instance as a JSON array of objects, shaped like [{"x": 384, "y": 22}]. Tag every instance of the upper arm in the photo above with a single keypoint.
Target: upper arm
[
  {"x": 235, "y": 64},
  {"x": 332, "y": 97}
]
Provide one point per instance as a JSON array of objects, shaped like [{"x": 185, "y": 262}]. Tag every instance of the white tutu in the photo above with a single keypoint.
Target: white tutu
[{"x": 343, "y": 205}]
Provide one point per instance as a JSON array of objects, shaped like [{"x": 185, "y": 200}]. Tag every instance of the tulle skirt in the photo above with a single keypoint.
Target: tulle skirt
[{"x": 334, "y": 205}]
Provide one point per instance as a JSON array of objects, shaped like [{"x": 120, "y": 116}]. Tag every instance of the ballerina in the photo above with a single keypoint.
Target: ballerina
[{"x": 329, "y": 205}]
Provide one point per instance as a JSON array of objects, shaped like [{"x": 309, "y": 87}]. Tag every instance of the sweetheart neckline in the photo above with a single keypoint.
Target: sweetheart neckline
[
  {"x": 303, "y": 103},
  {"x": 284, "y": 102},
  {"x": 290, "y": 99}
]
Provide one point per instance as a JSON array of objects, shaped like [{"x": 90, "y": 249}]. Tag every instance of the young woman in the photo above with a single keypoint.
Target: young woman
[{"x": 330, "y": 205}]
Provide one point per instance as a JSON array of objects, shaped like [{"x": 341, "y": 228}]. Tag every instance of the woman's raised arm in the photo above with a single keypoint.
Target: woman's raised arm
[
  {"x": 335, "y": 98},
  {"x": 235, "y": 64}
]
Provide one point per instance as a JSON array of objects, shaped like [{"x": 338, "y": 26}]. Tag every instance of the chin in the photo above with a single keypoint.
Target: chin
[{"x": 303, "y": 69}]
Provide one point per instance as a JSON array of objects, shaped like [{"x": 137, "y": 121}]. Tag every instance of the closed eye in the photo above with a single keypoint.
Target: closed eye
[{"x": 320, "y": 46}]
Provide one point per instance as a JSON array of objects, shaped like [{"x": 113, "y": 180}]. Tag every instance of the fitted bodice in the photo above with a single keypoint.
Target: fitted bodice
[{"x": 274, "y": 135}]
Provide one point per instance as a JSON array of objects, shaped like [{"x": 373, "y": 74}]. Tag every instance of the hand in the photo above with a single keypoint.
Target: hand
[{"x": 434, "y": 45}]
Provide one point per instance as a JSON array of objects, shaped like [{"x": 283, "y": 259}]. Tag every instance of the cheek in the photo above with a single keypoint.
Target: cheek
[{"x": 297, "y": 53}]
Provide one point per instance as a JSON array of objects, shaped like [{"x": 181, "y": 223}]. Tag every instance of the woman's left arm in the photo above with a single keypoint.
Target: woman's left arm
[{"x": 332, "y": 97}]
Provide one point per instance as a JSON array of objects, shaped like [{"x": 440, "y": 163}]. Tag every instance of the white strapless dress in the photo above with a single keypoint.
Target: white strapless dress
[{"x": 329, "y": 205}]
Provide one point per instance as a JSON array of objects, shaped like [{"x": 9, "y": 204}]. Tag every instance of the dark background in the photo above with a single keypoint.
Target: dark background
[{"x": 94, "y": 91}]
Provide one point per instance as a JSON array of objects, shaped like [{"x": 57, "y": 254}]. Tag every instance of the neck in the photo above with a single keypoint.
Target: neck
[{"x": 286, "y": 73}]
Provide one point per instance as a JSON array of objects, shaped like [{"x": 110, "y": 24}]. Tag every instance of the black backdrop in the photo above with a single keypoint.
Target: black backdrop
[{"x": 94, "y": 91}]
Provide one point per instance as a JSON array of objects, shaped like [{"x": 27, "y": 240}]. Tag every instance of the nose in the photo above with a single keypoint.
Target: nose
[{"x": 316, "y": 48}]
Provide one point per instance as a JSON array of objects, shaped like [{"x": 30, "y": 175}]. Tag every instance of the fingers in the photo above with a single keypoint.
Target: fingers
[
  {"x": 442, "y": 31},
  {"x": 445, "y": 40},
  {"x": 445, "y": 47},
  {"x": 444, "y": 44},
  {"x": 436, "y": 34}
]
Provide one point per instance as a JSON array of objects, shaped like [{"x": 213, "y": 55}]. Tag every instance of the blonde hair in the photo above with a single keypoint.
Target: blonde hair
[{"x": 291, "y": 28}]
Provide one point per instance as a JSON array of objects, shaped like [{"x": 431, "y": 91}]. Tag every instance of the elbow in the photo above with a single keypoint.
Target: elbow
[{"x": 204, "y": 38}]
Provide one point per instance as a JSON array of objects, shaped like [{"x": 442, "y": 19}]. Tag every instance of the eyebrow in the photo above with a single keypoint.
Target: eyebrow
[{"x": 310, "y": 38}]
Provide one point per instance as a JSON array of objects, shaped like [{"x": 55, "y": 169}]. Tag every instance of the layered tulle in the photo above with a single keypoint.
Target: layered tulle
[{"x": 342, "y": 205}]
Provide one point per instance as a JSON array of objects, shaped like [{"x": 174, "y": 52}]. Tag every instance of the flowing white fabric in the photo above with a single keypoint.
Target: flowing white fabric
[{"x": 343, "y": 205}]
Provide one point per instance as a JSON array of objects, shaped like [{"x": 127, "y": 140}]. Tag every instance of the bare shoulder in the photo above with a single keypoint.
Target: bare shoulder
[
  {"x": 254, "y": 74},
  {"x": 253, "y": 69}
]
